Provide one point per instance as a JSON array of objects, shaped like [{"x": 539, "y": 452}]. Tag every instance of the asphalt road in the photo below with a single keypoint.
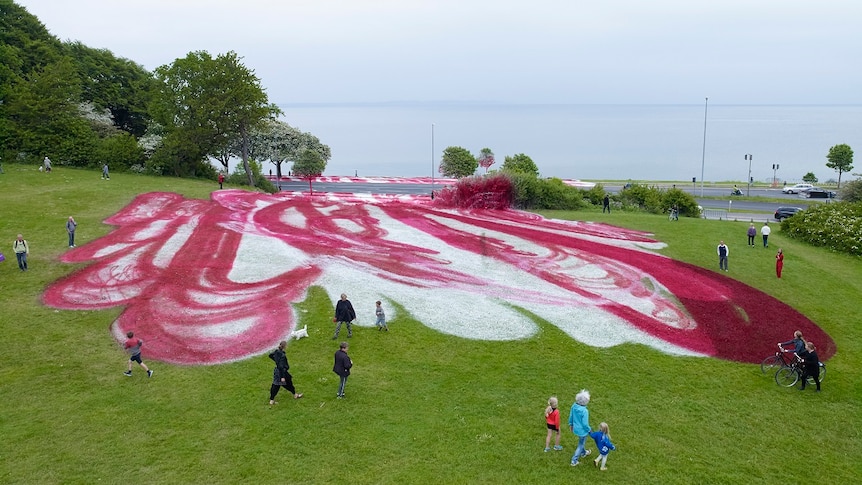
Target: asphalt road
[{"x": 729, "y": 203}]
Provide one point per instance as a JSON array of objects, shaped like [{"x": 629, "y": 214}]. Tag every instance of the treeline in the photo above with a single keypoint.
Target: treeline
[{"x": 85, "y": 107}]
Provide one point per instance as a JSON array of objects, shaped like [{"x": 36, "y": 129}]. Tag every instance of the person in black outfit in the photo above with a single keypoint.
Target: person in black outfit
[
  {"x": 342, "y": 367},
  {"x": 280, "y": 375},
  {"x": 344, "y": 314},
  {"x": 810, "y": 365},
  {"x": 606, "y": 204}
]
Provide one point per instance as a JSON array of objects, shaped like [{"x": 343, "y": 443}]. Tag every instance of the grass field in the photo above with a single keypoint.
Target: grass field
[{"x": 421, "y": 406}]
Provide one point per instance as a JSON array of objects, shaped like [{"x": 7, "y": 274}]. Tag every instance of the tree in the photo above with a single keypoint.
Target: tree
[
  {"x": 520, "y": 163},
  {"x": 279, "y": 143},
  {"x": 809, "y": 178},
  {"x": 457, "y": 162},
  {"x": 852, "y": 191},
  {"x": 840, "y": 158},
  {"x": 486, "y": 159},
  {"x": 210, "y": 104},
  {"x": 308, "y": 165}
]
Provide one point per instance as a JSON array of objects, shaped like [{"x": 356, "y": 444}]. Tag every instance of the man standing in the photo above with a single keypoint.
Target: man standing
[
  {"x": 342, "y": 367},
  {"x": 722, "y": 255},
  {"x": 764, "y": 231},
  {"x": 606, "y": 204},
  {"x": 22, "y": 249},
  {"x": 71, "y": 225},
  {"x": 220, "y": 180},
  {"x": 344, "y": 313}
]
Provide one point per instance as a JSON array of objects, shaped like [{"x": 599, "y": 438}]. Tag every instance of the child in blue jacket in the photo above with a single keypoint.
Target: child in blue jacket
[{"x": 603, "y": 443}]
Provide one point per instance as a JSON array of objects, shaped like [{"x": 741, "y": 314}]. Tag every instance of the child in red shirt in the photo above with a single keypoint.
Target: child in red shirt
[
  {"x": 133, "y": 347},
  {"x": 552, "y": 418}
]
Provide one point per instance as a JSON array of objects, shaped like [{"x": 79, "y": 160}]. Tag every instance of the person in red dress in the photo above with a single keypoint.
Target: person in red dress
[{"x": 779, "y": 262}]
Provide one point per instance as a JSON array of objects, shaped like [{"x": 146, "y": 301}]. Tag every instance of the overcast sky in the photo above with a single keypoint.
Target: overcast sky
[{"x": 536, "y": 51}]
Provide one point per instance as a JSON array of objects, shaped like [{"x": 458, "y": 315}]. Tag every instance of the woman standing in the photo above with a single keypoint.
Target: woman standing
[
  {"x": 280, "y": 375},
  {"x": 779, "y": 262}
]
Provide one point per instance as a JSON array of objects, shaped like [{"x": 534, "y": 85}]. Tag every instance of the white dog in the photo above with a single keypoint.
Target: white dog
[{"x": 299, "y": 333}]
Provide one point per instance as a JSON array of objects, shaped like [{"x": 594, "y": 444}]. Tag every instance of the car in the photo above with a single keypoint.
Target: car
[
  {"x": 784, "y": 212},
  {"x": 817, "y": 193},
  {"x": 795, "y": 189}
]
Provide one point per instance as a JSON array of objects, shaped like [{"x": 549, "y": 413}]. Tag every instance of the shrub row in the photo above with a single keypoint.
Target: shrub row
[{"x": 836, "y": 226}]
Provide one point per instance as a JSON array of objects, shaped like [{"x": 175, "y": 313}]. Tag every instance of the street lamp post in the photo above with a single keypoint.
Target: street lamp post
[
  {"x": 774, "y": 176},
  {"x": 703, "y": 155},
  {"x": 749, "y": 157},
  {"x": 432, "y": 159}
]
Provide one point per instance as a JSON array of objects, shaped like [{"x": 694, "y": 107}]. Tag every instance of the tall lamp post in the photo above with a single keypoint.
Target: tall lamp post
[
  {"x": 703, "y": 155},
  {"x": 774, "y": 177},
  {"x": 749, "y": 157},
  {"x": 432, "y": 159}
]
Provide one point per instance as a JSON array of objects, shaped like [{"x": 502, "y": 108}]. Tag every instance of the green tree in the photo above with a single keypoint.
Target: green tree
[
  {"x": 457, "y": 162},
  {"x": 520, "y": 163},
  {"x": 118, "y": 85},
  {"x": 852, "y": 191},
  {"x": 840, "y": 158},
  {"x": 809, "y": 178},
  {"x": 308, "y": 165},
  {"x": 280, "y": 143},
  {"x": 210, "y": 104}
]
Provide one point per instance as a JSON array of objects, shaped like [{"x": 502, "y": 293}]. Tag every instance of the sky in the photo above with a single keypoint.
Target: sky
[{"x": 496, "y": 51}]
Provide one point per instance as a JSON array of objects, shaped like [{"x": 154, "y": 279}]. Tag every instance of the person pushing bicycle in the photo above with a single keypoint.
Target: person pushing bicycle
[{"x": 798, "y": 343}]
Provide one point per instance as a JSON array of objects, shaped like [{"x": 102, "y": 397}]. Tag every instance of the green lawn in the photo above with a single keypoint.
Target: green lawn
[{"x": 421, "y": 407}]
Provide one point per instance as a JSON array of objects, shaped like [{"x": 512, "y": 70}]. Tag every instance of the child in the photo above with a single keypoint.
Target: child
[
  {"x": 552, "y": 418},
  {"x": 381, "y": 317},
  {"x": 603, "y": 443},
  {"x": 133, "y": 347}
]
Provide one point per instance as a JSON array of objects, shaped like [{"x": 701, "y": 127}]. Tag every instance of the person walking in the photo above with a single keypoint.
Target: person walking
[
  {"x": 280, "y": 375},
  {"x": 342, "y": 367},
  {"x": 779, "y": 262},
  {"x": 810, "y": 365},
  {"x": 71, "y": 225},
  {"x": 220, "y": 180},
  {"x": 752, "y": 232},
  {"x": 723, "y": 252},
  {"x": 765, "y": 231},
  {"x": 105, "y": 175},
  {"x": 602, "y": 437},
  {"x": 47, "y": 165},
  {"x": 579, "y": 423},
  {"x": 133, "y": 347},
  {"x": 606, "y": 204},
  {"x": 22, "y": 249},
  {"x": 344, "y": 313}
]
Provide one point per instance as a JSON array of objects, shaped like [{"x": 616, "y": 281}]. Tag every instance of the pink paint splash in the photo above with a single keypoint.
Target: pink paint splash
[{"x": 212, "y": 281}]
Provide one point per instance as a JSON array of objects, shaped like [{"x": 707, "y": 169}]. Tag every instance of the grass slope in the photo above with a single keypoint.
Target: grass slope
[{"x": 421, "y": 406}]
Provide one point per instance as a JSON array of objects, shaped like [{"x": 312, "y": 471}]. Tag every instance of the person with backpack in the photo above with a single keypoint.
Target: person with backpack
[{"x": 22, "y": 249}]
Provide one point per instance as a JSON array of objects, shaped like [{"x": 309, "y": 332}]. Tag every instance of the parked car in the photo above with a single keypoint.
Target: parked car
[
  {"x": 784, "y": 212},
  {"x": 817, "y": 193},
  {"x": 795, "y": 189}
]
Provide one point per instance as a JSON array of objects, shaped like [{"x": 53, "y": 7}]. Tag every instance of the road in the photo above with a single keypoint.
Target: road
[{"x": 727, "y": 202}]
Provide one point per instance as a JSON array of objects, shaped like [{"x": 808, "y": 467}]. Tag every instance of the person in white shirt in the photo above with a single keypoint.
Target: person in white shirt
[{"x": 764, "y": 231}]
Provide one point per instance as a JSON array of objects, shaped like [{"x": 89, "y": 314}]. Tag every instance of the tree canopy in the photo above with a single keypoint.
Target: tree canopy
[
  {"x": 308, "y": 165},
  {"x": 208, "y": 104},
  {"x": 840, "y": 158},
  {"x": 520, "y": 163},
  {"x": 457, "y": 162},
  {"x": 486, "y": 159}
]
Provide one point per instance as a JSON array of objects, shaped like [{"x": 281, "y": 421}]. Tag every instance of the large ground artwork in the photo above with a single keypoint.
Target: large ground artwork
[{"x": 213, "y": 281}]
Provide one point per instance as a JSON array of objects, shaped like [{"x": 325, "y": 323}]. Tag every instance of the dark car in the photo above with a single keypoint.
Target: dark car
[
  {"x": 817, "y": 193},
  {"x": 784, "y": 212}
]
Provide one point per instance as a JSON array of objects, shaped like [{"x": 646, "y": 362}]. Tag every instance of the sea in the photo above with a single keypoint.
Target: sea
[{"x": 635, "y": 142}]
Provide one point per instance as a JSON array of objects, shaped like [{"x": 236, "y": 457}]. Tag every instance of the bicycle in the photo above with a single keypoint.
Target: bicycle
[
  {"x": 774, "y": 362},
  {"x": 789, "y": 375}
]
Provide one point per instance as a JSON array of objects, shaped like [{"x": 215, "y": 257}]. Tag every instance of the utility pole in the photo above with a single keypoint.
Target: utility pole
[{"x": 749, "y": 157}]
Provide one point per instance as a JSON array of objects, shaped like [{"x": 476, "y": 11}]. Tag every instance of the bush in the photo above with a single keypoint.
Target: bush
[
  {"x": 851, "y": 191},
  {"x": 658, "y": 201},
  {"x": 595, "y": 195},
  {"x": 835, "y": 226},
  {"x": 478, "y": 192},
  {"x": 120, "y": 151},
  {"x": 239, "y": 177}
]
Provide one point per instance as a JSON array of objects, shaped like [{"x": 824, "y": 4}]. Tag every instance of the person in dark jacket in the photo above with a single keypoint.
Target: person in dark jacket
[
  {"x": 280, "y": 375},
  {"x": 344, "y": 314},
  {"x": 810, "y": 365},
  {"x": 798, "y": 343},
  {"x": 342, "y": 367}
]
